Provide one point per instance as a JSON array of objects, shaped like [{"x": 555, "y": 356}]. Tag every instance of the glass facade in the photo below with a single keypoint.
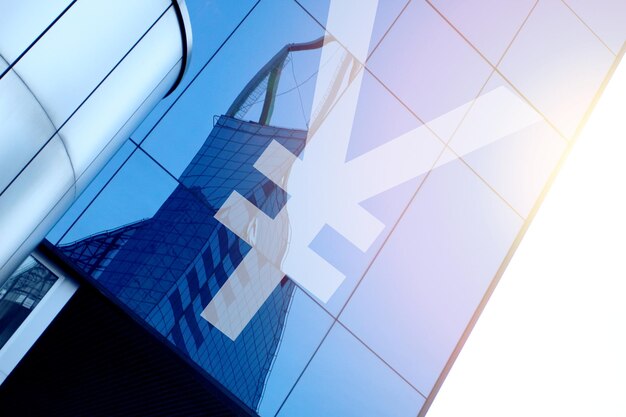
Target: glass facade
[{"x": 459, "y": 114}]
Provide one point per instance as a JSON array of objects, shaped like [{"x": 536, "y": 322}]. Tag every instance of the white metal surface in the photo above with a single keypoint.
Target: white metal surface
[{"x": 69, "y": 100}]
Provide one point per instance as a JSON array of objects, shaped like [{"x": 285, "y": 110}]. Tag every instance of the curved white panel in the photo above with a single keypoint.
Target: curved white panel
[
  {"x": 94, "y": 75},
  {"x": 22, "y": 21},
  {"x": 24, "y": 126},
  {"x": 47, "y": 179},
  {"x": 91, "y": 128},
  {"x": 80, "y": 50}
]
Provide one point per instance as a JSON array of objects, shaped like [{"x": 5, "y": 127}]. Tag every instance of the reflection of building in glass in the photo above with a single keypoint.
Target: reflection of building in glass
[
  {"x": 167, "y": 268},
  {"x": 20, "y": 294}
]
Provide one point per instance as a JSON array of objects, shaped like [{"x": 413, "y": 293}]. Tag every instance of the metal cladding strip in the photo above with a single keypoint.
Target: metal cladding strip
[
  {"x": 41, "y": 35},
  {"x": 184, "y": 23},
  {"x": 182, "y": 16},
  {"x": 86, "y": 99}
]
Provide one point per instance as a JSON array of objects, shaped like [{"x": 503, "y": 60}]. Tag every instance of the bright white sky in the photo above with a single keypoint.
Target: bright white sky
[{"x": 552, "y": 339}]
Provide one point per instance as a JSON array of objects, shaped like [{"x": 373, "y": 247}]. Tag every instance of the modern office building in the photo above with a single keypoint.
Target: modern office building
[{"x": 450, "y": 124}]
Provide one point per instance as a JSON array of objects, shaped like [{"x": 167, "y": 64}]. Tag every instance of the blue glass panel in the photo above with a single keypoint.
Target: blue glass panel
[
  {"x": 87, "y": 196},
  {"x": 386, "y": 13},
  {"x": 428, "y": 65},
  {"x": 429, "y": 278},
  {"x": 346, "y": 379},
  {"x": 304, "y": 329}
]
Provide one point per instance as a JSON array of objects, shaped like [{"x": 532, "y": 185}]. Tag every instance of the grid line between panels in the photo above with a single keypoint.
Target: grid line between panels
[
  {"x": 588, "y": 27},
  {"x": 90, "y": 164},
  {"x": 516, "y": 243},
  {"x": 336, "y": 319},
  {"x": 494, "y": 71},
  {"x": 504, "y": 77},
  {"x": 380, "y": 41}
]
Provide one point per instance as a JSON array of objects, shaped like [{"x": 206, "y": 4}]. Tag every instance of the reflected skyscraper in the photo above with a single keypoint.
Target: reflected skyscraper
[{"x": 167, "y": 268}]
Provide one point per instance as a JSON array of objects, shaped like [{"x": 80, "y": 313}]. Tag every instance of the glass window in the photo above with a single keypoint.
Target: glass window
[
  {"x": 415, "y": 301},
  {"x": 412, "y": 63},
  {"x": 346, "y": 379},
  {"x": 20, "y": 294},
  {"x": 490, "y": 32},
  {"x": 558, "y": 64}
]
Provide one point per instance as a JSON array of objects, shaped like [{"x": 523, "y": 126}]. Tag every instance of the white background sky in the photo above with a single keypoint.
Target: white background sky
[{"x": 552, "y": 339}]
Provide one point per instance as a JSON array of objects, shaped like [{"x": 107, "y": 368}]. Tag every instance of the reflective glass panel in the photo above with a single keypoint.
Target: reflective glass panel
[
  {"x": 437, "y": 133},
  {"x": 20, "y": 293}
]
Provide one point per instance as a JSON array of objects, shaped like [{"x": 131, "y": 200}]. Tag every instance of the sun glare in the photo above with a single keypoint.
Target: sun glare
[{"x": 551, "y": 340}]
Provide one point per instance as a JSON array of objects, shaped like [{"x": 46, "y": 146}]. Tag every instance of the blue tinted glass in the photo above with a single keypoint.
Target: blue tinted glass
[
  {"x": 451, "y": 196},
  {"x": 430, "y": 276},
  {"x": 179, "y": 137},
  {"x": 93, "y": 189},
  {"x": 347, "y": 379},
  {"x": 152, "y": 241}
]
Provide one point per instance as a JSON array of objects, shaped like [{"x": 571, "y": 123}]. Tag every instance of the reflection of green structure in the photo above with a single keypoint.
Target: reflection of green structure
[
  {"x": 267, "y": 80},
  {"x": 20, "y": 294},
  {"x": 265, "y": 83}
]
